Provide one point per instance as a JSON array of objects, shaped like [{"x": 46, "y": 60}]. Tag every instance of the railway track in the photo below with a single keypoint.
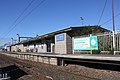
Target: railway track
[{"x": 56, "y": 73}]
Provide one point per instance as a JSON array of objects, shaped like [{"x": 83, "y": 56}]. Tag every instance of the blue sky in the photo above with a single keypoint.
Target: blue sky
[{"x": 53, "y": 15}]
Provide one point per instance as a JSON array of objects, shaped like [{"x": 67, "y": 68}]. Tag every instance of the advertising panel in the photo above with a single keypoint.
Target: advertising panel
[{"x": 87, "y": 43}]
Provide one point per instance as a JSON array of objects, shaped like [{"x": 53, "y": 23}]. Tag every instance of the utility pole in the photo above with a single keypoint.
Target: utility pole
[{"x": 113, "y": 25}]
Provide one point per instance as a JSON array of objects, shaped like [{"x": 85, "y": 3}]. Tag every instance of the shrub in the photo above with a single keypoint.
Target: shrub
[{"x": 95, "y": 51}]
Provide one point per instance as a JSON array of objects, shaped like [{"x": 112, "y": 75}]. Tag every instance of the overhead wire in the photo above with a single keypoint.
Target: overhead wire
[
  {"x": 21, "y": 14},
  {"x": 110, "y": 19},
  {"x": 24, "y": 10},
  {"x": 102, "y": 12},
  {"x": 41, "y": 2}
]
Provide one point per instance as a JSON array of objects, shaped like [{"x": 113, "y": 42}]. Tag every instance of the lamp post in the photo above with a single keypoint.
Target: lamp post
[
  {"x": 18, "y": 38},
  {"x": 12, "y": 40},
  {"x": 81, "y": 20}
]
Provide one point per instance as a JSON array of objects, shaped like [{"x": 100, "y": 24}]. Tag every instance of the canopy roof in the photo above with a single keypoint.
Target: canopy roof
[{"x": 83, "y": 29}]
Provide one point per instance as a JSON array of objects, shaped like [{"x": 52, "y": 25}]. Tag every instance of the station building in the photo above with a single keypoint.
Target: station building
[{"x": 59, "y": 42}]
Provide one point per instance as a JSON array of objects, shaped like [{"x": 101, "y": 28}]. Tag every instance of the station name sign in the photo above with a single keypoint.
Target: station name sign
[
  {"x": 86, "y": 43},
  {"x": 59, "y": 37}
]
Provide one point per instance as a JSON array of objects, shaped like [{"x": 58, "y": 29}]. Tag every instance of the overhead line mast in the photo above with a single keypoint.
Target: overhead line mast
[{"x": 113, "y": 25}]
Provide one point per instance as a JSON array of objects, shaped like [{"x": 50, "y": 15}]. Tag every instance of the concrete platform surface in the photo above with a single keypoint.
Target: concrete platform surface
[{"x": 78, "y": 56}]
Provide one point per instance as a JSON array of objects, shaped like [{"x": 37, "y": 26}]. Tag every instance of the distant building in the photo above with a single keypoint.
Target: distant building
[{"x": 4, "y": 47}]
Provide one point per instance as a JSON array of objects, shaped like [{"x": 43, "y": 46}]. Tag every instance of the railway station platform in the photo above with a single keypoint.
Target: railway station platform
[
  {"x": 62, "y": 59},
  {"x": 76, "y": 56}
]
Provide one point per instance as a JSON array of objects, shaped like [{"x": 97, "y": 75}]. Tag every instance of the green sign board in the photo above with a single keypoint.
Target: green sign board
[{"x": 86, "y": 43}]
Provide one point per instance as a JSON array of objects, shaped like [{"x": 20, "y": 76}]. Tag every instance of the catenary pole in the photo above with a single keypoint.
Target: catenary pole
[{"x": 113, "y": 25}]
